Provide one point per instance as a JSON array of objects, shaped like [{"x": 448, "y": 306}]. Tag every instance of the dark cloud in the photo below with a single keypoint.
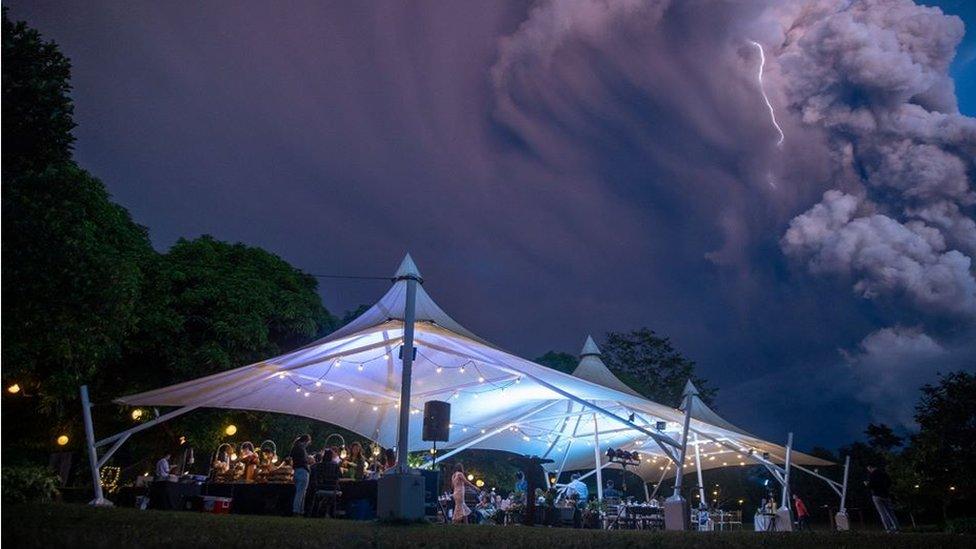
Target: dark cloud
[{"x": 561, "y": 168}]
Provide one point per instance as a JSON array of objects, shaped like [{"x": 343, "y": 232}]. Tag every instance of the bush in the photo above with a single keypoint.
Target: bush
[
  {"x": 29, "y": 484},
  {"x": 961, "y": 526}
]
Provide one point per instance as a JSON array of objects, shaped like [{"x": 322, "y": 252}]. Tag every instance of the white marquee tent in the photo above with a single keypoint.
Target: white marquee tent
[{"x": 351, "y": 378}]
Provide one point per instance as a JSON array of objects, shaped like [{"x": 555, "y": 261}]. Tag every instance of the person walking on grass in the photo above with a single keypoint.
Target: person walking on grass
[
  {"x": 879, "y": 483},
  {"x": 801, "y": 513}
]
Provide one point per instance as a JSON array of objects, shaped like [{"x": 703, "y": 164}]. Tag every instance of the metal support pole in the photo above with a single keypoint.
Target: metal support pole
[
  {"x": 92, "y": 453},
  {"x": 784, "y": 518},
  {"x": 598, "y": 455},
  {"x": 786, "y": 474},
  {"x": 841, "y": 520},
  {"x": 403, "y": 432},
  {"x": 647, "y": 494},
  {"x": 680, "y": 466},
  {"x": 701, "y": 483},
  {"x": 843, "y": 492}
]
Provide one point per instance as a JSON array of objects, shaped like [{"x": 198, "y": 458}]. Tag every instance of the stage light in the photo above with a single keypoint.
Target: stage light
[{"x": 231, "y": 430}]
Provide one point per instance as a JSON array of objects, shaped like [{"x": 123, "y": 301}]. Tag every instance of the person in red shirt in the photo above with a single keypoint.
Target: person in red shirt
[{"x": 801, "y": 513}]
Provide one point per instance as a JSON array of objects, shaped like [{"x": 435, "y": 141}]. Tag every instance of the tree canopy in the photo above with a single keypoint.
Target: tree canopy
[{"x": 649, "y": 364}]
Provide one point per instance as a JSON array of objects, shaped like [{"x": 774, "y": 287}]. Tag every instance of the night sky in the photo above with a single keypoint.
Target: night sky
[{"x": 559, "y": 169}]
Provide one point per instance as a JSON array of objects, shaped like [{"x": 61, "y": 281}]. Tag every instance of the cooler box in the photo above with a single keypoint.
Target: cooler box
[{"x": 216, "y": 505}]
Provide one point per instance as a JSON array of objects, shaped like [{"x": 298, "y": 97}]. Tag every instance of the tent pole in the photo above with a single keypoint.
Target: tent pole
[
  {"x": 108, "y": 454},
  {"x": 143, "y": 426},
  {"x": 647, "y": 495},
  {"x": 679, "y": 472},
  {"x": 664, "y": 473},
  {"x": 843, "y": 492},
  {"x": 597, "y": 455},
  {"x": 403, "y": 431},
  {"x": 786, "y": 474},
  {"x": 92, "y": 453},
  {"x": 701, "y": 482},
  {"x": 569, "y": 445}
]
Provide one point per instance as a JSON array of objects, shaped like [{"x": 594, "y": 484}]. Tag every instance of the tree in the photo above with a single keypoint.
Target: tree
[
  {"x": 218, "y": 306},
  {"x": 564, "y": 362},
  {"x": 73, "y": 260},
  {"x": 37, "y": 110},
  {"x": 650, "y": 365},
  {"x": 939, "y": 459},
  {"x": 881, "y": 436}
]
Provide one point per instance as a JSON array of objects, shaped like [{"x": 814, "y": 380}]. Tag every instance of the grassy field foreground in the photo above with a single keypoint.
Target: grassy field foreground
[{"x": 81, "y": 526}]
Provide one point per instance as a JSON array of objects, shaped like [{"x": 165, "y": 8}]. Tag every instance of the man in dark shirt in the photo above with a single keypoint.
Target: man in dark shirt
[
  {"x": 879, "y": 483},
  {"x": 325, "y": 478},
  {"x": 299, "y": 463}
]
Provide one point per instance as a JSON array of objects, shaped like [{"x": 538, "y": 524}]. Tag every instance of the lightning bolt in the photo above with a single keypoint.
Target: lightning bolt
[{"x": 762, "y": 89}]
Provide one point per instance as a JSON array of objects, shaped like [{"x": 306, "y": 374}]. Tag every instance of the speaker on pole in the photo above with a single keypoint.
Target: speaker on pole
[{"x": 437, "y": 420}]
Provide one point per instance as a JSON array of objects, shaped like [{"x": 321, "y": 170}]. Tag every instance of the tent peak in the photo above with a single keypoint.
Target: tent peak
[
  {"x": 690, "y": 389},
  {"x": 590, "y": 348},
  {"x": 408, "y": 269}
]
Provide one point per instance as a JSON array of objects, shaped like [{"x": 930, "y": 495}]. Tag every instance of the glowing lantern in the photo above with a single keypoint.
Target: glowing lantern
[
  {"x": 13, "y": 389},
  {"x": 62, "y": 440},
  {"x": 231, "y": 430}
]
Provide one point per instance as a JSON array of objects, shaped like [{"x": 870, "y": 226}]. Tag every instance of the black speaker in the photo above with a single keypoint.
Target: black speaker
[{"x": 437, "y": 420}]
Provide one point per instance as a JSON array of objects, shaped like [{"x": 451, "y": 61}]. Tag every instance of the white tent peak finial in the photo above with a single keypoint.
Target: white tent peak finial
[
  {"x": 690, "y": 389},
  {"x": 408, "y": 269},
  {"x": 590, "y": 348}
]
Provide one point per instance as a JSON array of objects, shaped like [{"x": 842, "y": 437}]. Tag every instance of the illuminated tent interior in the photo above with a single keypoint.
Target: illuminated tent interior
[{"x": 499, "y": 401}]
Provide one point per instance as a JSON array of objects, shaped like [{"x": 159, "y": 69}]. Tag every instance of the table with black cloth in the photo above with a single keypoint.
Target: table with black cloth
[
  {"x": 262, "y": 498},
  {"x": 270, "y": 498},
  {"x": 171, "y": 496}
]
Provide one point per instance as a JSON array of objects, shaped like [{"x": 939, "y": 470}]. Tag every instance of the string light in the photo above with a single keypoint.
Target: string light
[
  {"x": 461, "y": 369},
  {"x": 318, "y": 383},
  {"x": 282, "y": 375},
  {"x": 439, "y": 369},
  {"x": 375, "y": 408},
  {"x": 360, "y": 367},
  {"x": 298, "y": 389},
  {"x": 352, "y": 399},
  {"x": 331, "y": 397},
  {"x": 307, "y": 393},
  {"x": 481, "y": 379},
  {"x": 136, "y": 414}
]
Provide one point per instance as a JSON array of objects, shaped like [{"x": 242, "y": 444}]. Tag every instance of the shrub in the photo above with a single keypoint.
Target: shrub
[
  {"x": 961, "y": 526},
  {"x": 23, "y": 484}
]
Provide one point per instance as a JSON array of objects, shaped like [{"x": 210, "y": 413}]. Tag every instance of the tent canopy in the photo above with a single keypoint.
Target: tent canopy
[{"x": 351, "y": 378}]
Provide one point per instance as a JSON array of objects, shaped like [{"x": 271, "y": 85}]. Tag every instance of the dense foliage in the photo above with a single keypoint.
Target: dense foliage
[
  {"x": 645, "y": 361},
  {"x": 88, "y": 300}
]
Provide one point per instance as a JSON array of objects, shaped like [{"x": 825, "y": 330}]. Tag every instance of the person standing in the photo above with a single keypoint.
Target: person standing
[
  {"x": 801, "y": 513},
  {"x": 299, "y": 463},
  {"x": 879, "y": 483},
  {"x": 458, "y": 483}
]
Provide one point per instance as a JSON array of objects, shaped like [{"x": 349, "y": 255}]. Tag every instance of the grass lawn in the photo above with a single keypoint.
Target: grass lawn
[{"x": 81, "y": 526}]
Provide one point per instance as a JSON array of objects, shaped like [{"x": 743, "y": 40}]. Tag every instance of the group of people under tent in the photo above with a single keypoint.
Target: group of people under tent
[{"x": 322, "y": 469}]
